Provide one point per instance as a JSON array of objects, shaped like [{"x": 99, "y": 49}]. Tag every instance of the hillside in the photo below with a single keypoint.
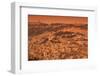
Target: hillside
[{"x": 57, "y": 41}]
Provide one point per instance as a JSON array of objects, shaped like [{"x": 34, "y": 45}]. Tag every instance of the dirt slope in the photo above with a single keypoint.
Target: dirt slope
[{"x": 57, "y": 41}]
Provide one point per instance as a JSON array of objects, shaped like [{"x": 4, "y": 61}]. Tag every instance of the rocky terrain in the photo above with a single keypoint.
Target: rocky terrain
[{"x": 57, "y": 41}]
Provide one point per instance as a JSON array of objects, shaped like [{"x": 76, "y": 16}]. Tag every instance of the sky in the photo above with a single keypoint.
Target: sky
[{"x": 57, "y": 19}]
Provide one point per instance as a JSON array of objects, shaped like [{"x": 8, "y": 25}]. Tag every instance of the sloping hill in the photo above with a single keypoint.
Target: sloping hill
[{"x": 57, "y": 41}]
